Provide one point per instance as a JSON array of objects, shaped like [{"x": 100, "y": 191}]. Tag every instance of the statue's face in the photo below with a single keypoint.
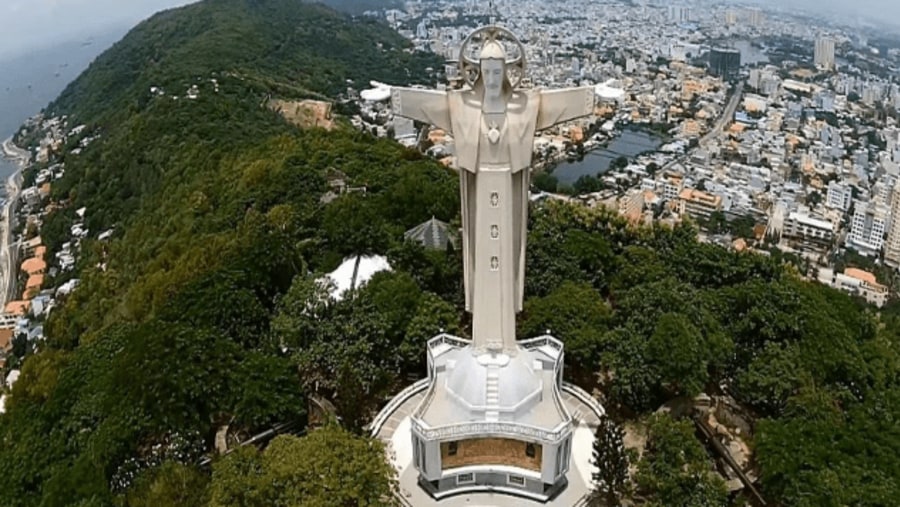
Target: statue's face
[{"x": 492, "y": 74}]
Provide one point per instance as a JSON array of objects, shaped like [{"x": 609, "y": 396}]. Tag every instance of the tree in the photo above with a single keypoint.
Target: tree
[
  {"x": 676, "y": 348},
  {"x": 577, "y": 315},
  {"x": 344, "y": 350},
  {"x": 814, "y": 198},
  {"x": 170, "y": 484},
  {"x": 619, "y": 163},
  {"x": 545, "y": 181},
  {"x": 586, "y": 184},
  {"x": 330, "y": 466},
  {"x": 674, "y": 469},
  {"x": 610, "y": 461},
  {"x": 353, "y": 225},
  {"x": 432, "y": 316},
  {"x": 716, "y": 223}
]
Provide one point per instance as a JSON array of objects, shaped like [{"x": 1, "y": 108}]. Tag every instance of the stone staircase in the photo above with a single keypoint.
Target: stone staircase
[{"x": 492, "y": 393}]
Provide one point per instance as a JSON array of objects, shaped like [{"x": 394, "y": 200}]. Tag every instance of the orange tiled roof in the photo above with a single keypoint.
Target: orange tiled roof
[
  {"x": 859, "y": 274},
  {"x": 6, "y": 336},
  {"x": 34, "y": 265},
  {"x": 34, "y": 282},
  {"x": 18, "y": 307}
]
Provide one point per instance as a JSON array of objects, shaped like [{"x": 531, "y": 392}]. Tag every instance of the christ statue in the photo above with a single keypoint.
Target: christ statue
[{"x": 493, "y": 122}]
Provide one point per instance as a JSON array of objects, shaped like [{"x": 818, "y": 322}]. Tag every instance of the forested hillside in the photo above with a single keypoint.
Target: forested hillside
[
  {"x": 216, "y": 207},
  {"x": 201, "y": 315}
]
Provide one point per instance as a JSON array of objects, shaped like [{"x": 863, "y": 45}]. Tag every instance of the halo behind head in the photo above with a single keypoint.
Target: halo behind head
[
  {"x": 489, "y": 43},
  {"x": 492, "y": 50}
]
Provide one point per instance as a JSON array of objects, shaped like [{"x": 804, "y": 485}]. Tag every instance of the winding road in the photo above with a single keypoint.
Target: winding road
[{"x": 8, "y": 256}]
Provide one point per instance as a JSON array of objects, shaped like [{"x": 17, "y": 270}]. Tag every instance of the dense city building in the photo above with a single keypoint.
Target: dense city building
[{"x": 724, "y": 63}]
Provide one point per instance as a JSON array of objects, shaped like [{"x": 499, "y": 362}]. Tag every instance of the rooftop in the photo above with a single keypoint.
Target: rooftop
[
  {"x": 433, "y": 234},
  {"x": 517, "y": 389}
]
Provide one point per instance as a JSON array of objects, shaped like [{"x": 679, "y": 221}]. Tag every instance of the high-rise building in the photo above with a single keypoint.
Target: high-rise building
[
  {"x": 754, "y": 17},
  {"x": 730, "y": 17},
  {"x": 839, "y": 196},
  {"x": 892, "y": 246},
  {"x": 679, "y": 13},
  {"x": 824, "y": 53},
  {"x": 422, "y": 30},
  {"x": 724, "y": 63},
  {"x": 867, "y": 228}
]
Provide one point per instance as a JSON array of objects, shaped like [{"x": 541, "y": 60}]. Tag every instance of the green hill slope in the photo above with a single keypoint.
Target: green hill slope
[
  {"x": 201, "y": 318},
  {"x": 273, "y": 46},
  {"x": 216, "y": 207}
]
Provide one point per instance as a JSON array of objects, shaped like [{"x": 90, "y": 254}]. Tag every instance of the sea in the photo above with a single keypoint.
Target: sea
[{"x": 31, "y": 80}]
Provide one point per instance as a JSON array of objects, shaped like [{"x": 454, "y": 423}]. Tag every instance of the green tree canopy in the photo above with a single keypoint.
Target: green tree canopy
[{"x": 327, "y": 467}]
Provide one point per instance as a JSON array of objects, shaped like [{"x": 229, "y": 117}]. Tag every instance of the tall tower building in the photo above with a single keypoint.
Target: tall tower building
[
  {"x": 724, "y": 63},
  {"x": 754, "y": 17},
  {"x": 867, "y": 228},
  {"x": 892, "y": 246},
  {"x": 679, "y": 13},
  {"x": 731, "y": 17},
  {"x": 824, "y": 53}
]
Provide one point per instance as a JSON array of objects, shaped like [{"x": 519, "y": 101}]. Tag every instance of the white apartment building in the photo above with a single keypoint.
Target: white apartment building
[
  {"x": 824, "y": 53},
  {"x": 839, "y": 196},
  {"x": 808, "y": 230},
  {"x": 892, "y": 247},
  {"x": 858, "y": 282},
  {"x": 672, "y": 185},
  {"x": 867, "y": 228}
]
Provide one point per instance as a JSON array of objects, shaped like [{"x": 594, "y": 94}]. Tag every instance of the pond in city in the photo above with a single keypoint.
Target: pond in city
[
  {"x": 750, "y": 54},
  {"x": 630, "y": 143}
]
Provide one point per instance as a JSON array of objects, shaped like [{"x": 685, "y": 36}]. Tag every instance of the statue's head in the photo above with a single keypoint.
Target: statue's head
[
  {"x": 493, "y": 67},
  {"x": 492, "y": 61}
]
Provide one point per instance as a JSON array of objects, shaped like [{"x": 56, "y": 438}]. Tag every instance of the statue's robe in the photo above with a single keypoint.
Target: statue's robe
[{"x": 494, "y": 182}]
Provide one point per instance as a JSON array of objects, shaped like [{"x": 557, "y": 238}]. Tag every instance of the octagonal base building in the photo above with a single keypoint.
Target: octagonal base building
[{"x": 493, "y": 421}]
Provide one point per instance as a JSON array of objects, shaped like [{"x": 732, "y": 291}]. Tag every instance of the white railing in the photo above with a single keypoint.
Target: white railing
[
  {"x": 491, "y": 428},
  {"x": 585, "y": 398},
  {"x": 453, "y": 341},
  {"x": 533, "y": 343},
  {"x": 395, "y": 403}
]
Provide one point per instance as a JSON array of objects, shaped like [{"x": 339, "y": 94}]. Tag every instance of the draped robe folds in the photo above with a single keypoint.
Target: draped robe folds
[{"x": 494, "y": 181}]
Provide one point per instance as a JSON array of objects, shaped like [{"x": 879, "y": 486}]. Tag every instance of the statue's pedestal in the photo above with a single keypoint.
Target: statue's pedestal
[{"x": 496, "y": 425}]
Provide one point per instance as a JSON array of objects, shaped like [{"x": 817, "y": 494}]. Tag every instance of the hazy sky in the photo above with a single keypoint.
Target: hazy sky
[
  {"x": 27, "y": 24},
  {"x": 885, "y": 11}
]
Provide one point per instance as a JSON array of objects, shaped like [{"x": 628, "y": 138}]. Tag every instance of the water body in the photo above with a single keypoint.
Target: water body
[
  {"x": 750, "y": 55},
  {"x": 630, "y": 143},
  {"x": 7, "y": 167},
  {"x": 31, "y": 80}
]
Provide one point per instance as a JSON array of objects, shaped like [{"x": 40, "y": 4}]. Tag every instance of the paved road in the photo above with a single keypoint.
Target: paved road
[
  {"x": 721, "y": 123},
  {"x": 7, "y": 253},
  {"x": 726, "y": 116}
]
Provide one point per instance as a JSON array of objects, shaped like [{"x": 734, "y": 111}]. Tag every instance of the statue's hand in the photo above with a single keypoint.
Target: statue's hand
[{"x": 379, "y": 93}]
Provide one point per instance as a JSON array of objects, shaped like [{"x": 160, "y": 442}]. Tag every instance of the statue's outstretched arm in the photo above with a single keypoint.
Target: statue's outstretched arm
[
  {"x": 558, "y": 106},
  {"x": 426, "y": 106}
]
